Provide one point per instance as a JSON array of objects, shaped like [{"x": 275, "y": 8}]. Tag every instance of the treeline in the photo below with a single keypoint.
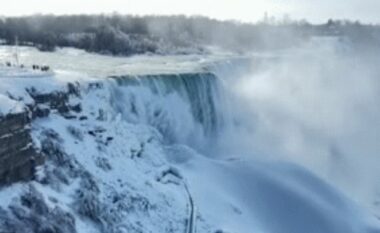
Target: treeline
[
  {"x": 93, "y": 33},
  {"x": 126, "y": 35}
]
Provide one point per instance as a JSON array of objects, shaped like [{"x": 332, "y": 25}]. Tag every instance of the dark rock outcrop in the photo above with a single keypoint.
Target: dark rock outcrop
[
  {"x": 18, "y": 157},
  {"x": 55, "y": 100},
  {"x": 44, "y": 103}
]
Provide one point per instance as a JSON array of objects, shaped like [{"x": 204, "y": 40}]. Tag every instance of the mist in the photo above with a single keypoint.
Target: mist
[{"x": 317, "y": 106}]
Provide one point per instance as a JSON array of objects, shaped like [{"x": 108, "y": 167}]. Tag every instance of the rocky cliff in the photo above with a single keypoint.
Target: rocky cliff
[{"x": 18, "y": 157}]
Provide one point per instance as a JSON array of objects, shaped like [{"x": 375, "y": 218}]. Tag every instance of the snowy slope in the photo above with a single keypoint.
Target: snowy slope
[{"x": 124, "y": 160}]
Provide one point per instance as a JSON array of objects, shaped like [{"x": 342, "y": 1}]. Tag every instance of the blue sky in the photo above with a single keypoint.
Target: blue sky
[{"x": 243, "y": 10}]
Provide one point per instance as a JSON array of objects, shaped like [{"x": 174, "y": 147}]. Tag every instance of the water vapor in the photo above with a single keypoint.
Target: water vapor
[{"x": 317, "y": 106}]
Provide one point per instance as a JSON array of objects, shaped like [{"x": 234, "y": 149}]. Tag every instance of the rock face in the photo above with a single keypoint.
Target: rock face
[
  {"x": 55, "y": 100},
  {"x": 18, "y": 158}
]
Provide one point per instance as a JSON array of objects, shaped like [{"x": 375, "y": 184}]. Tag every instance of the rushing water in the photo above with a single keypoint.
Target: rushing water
[
  {"x": 185, "y": 108},
  {"x": 308, "y": 107}
]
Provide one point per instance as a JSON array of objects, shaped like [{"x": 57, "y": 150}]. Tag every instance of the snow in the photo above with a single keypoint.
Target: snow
[
  {"x": 128, "y": 159},
  {"x": 8, "y": 194},
  {"x": 14, "y": 82},
  {"x": 101, "y": 66},
  {"x": 127, "y": 175},
  {"x": 9, "y": 106}
]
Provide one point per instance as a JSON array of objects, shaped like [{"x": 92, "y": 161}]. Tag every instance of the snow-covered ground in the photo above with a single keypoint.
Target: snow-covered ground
[
  {"x": 116, "y": 172},
  {"x": 102, "y": 65},
  {"x": 125, "y": 161}
]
